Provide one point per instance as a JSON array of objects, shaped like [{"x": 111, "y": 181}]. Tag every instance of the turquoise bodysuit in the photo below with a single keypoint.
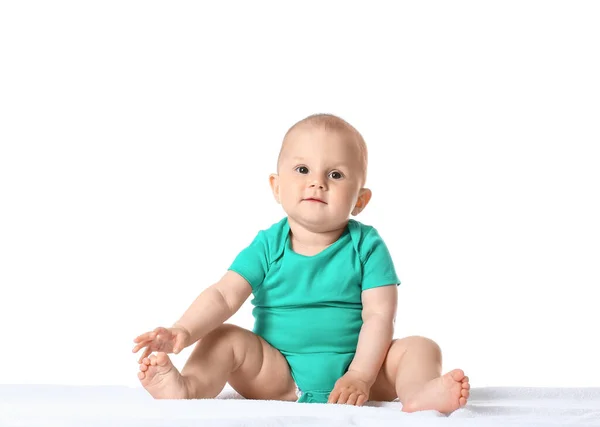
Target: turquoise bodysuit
[{"x": 309, "y": 307}]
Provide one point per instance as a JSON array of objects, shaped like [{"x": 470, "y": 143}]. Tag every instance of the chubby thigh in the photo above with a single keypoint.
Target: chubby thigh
[{"x": 258, "y": 371}]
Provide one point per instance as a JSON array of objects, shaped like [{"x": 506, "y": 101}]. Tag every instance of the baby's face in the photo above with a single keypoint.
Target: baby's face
[{"x": 320, "y": 177}]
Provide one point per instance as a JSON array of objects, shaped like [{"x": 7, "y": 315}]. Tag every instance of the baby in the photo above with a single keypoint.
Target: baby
[{"x": 325, "y": 296}]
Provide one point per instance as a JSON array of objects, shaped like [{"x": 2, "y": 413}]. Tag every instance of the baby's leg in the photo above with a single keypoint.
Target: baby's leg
[
  {"x": 412, "y": 372},
  {"x": 231, "y": 354},
  {"x": 252, "y": 367}
]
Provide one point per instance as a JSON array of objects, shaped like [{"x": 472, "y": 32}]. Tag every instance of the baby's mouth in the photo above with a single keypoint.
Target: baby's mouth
[{"x": 314, "y": 199}]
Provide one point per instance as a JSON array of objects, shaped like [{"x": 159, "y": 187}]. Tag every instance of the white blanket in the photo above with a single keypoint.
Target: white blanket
[{"x": 41, "y": 405}]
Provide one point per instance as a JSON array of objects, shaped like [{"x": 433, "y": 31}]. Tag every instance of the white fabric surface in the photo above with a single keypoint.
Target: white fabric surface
[{"x": 49, "y": 405}]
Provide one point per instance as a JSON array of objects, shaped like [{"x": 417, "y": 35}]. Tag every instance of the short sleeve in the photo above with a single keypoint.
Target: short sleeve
[
  {"x": 252, "y": 262},
  {"x": 378, "y": 267}
]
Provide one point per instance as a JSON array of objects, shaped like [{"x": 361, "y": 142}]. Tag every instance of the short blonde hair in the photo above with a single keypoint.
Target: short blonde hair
[{"x": 330, "y": 122}]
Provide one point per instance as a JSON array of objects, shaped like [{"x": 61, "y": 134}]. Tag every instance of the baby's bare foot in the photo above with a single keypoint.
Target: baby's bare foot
[
  {"x": 161, "y": 379},
  {"x": 444, "y": 394}
]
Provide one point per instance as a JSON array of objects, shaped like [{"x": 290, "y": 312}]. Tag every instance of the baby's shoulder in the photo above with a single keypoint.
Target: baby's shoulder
[
  {"x": 364, "y": 237},
  {"x": 359, "y": 230},
  {"x": 272, "y": 238},
  {"x": 276, "y": 231}
]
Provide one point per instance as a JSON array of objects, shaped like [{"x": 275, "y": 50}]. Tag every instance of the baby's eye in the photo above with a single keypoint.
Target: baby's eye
[
  {"x": 302, "y": 169},
  {"x": 336, "y": 175}
]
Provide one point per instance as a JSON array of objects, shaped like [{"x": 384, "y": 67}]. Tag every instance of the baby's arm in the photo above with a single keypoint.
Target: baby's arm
[
  {"x": 214, "y": 306},
  {"x": 375, "y": 338}
]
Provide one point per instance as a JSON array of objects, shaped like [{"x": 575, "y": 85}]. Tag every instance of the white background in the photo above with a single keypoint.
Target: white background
[{"x": 137, "y": 139}]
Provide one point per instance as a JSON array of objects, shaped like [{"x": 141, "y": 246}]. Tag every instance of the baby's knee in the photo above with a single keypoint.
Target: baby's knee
[
  {"x": 226, "y": 335},
  {"x": 425, "y": 344},
  {"x": 417, "y": 344}
]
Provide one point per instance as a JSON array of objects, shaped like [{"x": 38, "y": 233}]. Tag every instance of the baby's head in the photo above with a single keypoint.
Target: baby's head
[{"x": 321, "y": 173}]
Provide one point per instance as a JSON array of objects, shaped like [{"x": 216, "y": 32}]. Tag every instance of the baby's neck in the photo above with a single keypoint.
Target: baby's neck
[{"x": 309, "y": 242}]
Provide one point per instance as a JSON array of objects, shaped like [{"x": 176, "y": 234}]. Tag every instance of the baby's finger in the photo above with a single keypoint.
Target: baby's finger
[
  {"x": 352, "y": 399},
  {"x": 142, "y": 337},
  {"x": 145, "y": 336},
  {"x": 160, "y": 331},
  {"x": 343, "y": 397},
  {"x": 361, "y": 400},
  {"x": 140, "y": 345},
  {"x": 333, "y": 396},
  {"x": 145, "y": 354},
  {"x": 178, "y": 346}
]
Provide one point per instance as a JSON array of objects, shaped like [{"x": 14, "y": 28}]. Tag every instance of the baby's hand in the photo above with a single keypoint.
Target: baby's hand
[
  {"x": 350, "y": 389},
  {"x": 171, "y": 340}
]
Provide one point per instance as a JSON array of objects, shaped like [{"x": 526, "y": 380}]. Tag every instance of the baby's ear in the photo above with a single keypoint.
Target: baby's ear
[
  {"x": 274, "y": 182},
  {"x": 364, "y": 196}
]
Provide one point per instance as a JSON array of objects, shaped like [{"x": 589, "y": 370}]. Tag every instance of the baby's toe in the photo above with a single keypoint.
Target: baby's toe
[
  {"x": 141, "y": 375},
  {"x": 161, "y": 359},
  {"x": 457, "y": 375},
  {"x": 143, "y": 367},
  {"x": 464, "y": 393}
]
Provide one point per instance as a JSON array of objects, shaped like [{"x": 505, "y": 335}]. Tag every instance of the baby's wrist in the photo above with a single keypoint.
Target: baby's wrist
[{"x": 363, "y": 376}]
